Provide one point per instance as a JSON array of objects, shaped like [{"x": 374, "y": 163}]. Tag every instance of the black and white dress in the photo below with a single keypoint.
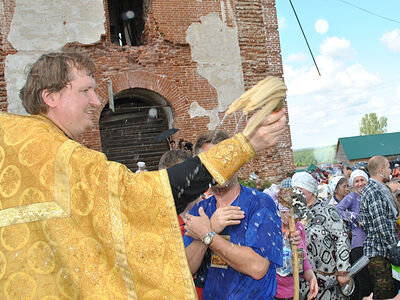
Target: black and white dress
[{"x": 328, "y": 249}]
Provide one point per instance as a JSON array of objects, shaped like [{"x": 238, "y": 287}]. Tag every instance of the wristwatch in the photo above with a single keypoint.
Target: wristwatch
[{"x": 207, "y": 239}]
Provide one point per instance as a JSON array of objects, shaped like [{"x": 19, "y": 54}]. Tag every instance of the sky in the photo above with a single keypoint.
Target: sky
[{"x": 356, "y": 45}]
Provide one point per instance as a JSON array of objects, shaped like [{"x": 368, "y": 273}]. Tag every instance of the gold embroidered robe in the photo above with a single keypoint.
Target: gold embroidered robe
[{"x": 74, "y": 225}]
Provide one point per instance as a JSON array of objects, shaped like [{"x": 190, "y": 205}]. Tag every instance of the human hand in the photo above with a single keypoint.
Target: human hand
[
  {"x": 343, "y": 279},
  {"x": 268, "y": 132},
  {"x": 226, "y": 216},
  {"x": 294, "y": 237},
  {"x": 370, "y": 297},
  {"x": 198, "y": 226},
  {"x": 312, "y": 281}
]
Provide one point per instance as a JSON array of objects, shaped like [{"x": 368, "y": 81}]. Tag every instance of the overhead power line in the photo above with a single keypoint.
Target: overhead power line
[
  {"x": 305, "y": 38},
  {"x": 370, "y": 12}
]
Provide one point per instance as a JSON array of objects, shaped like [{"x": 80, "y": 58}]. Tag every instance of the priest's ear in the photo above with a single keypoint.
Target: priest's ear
[{"x": 50, "y": 98}]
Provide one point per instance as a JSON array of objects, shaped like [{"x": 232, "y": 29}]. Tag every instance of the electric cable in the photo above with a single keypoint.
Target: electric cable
[
  {"x": 370, "y": 12},
  {"x": 305, "y": 38}
]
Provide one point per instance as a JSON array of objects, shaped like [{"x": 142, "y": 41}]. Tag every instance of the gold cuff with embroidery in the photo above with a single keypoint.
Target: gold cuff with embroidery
[{"x": 226, "y": 158}]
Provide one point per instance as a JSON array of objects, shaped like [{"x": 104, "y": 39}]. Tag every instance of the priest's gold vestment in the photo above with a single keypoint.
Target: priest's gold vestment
[{"x": 74, "y": 225}]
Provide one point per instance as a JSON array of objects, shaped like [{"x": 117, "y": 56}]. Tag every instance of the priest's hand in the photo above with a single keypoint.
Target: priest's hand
[
  {"x": 268, "y": 132},
  {"x": 198, "y": 226}
]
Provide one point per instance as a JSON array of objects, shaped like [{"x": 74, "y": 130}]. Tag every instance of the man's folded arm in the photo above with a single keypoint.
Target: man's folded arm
[
  {"x": 195, "y": 253},
  {"x": 241, "y": 258}
]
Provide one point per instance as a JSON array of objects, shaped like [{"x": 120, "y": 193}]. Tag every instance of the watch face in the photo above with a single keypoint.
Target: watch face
[{"x": 207, "y": 239}]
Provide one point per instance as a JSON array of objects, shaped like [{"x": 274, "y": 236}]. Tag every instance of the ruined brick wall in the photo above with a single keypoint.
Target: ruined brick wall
[
  {"x": 261, "y": 56},
  {"x": 6, "y": 13},
  {"x": 3, "y": 92},
  {"x": 199, "y": 56}
]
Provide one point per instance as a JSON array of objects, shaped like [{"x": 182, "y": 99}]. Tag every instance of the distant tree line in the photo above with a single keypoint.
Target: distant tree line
[
  {"x": 305, "y": 157},
  {"x": 369, "y": 124}
]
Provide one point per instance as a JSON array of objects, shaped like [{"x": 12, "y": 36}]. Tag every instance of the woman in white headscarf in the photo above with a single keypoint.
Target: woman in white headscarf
[
  {"x": 328, "y": 246},
  {"x": 338, "y": 188},
  {"x": 349, "y": 209},
  {"x": 141, "y": 166}
]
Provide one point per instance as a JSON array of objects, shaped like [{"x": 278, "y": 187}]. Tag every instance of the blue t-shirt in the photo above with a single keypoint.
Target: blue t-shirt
[{"x": 260, "y": 230}]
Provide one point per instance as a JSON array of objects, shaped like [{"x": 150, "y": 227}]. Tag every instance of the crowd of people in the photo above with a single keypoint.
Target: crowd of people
[
  {"x": 351, "y": 214},
  {"x": 354, "y": 214},
  {"x": 182, "y": 144},
  {"x": 77, "y": 226}
]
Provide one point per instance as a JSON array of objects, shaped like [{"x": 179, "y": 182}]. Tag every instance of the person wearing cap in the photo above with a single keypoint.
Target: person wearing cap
[
  {"x": 338, "y": 188},
  {"x": 349, "y": 209},
  {"x": 328, "y": 244},
  {"x": 378, "y": 216}
]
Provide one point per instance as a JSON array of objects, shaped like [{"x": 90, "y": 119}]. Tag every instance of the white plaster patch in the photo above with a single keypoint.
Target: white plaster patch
[
  {"x": 14, "y": 74},
  {"x": 197, "y": 111},
  {"x": 42, "y": 26},
  {"x": 215, "y": 48},
  {"x": 48, "y": 25}
]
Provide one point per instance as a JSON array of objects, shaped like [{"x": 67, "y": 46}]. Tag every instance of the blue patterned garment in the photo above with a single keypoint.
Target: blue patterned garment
[{"x": 260, "y": 230}]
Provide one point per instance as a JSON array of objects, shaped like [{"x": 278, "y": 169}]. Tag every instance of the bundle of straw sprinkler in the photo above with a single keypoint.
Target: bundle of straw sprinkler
[{"x": 267, "y": 95}]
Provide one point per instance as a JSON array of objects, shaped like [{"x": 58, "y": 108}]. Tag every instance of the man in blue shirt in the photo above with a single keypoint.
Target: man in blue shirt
[{"x": 243, "y": 230}]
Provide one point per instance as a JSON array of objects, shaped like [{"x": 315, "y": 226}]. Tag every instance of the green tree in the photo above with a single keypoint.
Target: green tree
[{"x": 370, "y": 124}]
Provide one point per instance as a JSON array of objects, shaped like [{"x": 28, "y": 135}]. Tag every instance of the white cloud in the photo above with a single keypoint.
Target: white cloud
[
  {"x": 392, "y": 40},
  {"x": 296, "y": 57},
  {"x": 337, "y": 47},
  {"x": 324, "y": 108},
  {"x": 321, "y": 26}
]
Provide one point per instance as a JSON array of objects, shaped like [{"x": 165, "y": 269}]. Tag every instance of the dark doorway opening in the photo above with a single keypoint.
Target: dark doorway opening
[
  {"x": 128, "y": 133},
  {"x": 126, "y": 22}
]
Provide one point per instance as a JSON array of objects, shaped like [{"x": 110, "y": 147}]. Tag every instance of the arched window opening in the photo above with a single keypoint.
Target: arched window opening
[{"x": 128, "y": 133}]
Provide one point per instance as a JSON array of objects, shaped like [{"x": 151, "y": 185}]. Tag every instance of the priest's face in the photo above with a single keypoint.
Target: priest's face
[{"x": 74, "y": 106}]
